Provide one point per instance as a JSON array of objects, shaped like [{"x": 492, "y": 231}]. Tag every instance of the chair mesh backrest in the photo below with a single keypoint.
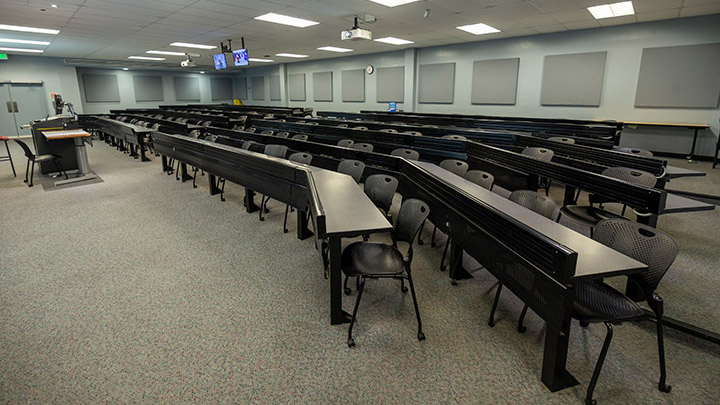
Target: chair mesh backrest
[
  {"x": 639, "y": 177},
  {"x": 276, "y": 150},
  {"x": 247, "y": 145},
  {"x": 534, "y": 201},
  {"x": 562, "y": 139},
  {"x": 481, "y": 178},
  {"x": 406, "y": 153},
  {"x": 380, "y": 188},
  {"x": 353, "y": 168},
  {"x": 25, "y": 148},
  {"x": 643, "y": 243},
  {"x": 283, "y": 134},
  {"x": 416, "y": 133},
  {"x": 539, "y": 153},
  {"x": 267, "y": 132},
  {"x": 454, "y": 137},
  {"x": 409, "y": 220},
  {"x": 363, "y": 146},
  {"x": 300, "y": 137},
  {"x": 455, "y": 166},
  {"x": 635, "y": 151},
  {"x": 301, "y": 157},
  {"x": 346, "y": 143},
  {"x": 389, "y": 130}
]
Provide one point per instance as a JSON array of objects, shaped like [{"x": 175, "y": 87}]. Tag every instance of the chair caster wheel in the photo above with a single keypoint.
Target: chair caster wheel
[
  {"x": 285, "y": 231},
  {"x": 194, "y": 186},
  {"x": 590, "y": 402},
  {"x": 491, "y": 323},
  {"x": 347, "y": 291},
  {"x": 665, "y": 387},
  {"x": 267, "y": 210},
  {"x": 404, "y": 289},
  {"x": 421, "y": 336},
  {"x": 351, "y": 342},
  {"x": 522, "y": 329}
]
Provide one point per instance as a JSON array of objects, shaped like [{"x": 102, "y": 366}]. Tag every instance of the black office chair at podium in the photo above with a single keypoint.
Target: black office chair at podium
[
  {"x": 378, "y": 260},
  {"x": 33, "y": 159}
]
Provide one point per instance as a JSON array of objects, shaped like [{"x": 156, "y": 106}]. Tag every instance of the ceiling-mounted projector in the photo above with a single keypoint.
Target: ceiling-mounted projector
[
  {"x": 188, "y": 62},
  {"x": 356, "y": 33}
]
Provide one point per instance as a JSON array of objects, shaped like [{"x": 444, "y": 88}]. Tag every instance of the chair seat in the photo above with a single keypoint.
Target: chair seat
[
  {"x": 597, "y": 302},
  {"x": 587, "y": 215},
  {"x": 43, "y": 158},
  {"x": 4, "y": 138},
  {"x": 371, "y": 258}
]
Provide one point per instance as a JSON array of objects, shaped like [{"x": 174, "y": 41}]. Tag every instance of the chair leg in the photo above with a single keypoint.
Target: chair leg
[
  {"x": 662, "y": 386},
  {"x": 420, "y": 334},
  {"x": 598, "y": 366},
  {"x": 491, "y": 320},
  {"x": 59, "y": 167},
  {"x": 432, "y": 238},
  {"x": 27, "y": 169},
  {"x": 521, "y": 328},
  {"x": 350, "y": 341},
  {"x": 263, "y": 203},
  {"x": 222, "y": 190},
  {"x": 346, "y": 289},
  {"x": 10, "y": 159},
  {"x": 32, "y": 173},
  {"x": 195, "y": 178},
  {"x": 420, "y": 241},
  {"x": 442, "y": 259},
  {"x": 287, "y": 208},
  {"x": 403, "y": 289},
  {"x": 623, "y": 210}
]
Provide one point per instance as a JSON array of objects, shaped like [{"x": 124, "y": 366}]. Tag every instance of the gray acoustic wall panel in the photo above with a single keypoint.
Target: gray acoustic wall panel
[
  {"x": 242, "y": 88},
  {"x": 296, "y": 87},
  {"x": 353, "y": 85},
  {"x": 574, "y": 79},
  {"x": 495, "y": 81},
  {"x": 101, "y": 88},
  {"x": 221, "y": 88},
  {"x": 148, "y": 88},
  {"x": 679, "y": 76},
  {"x": 187, "y": 88},
  {"x": 275, "y": 88},
  {"x": 322, "y": 86},
  {"x": 257, "y": 87},
  {"x": 436, "y": 83},
  {"x": 390, "y": 84}
]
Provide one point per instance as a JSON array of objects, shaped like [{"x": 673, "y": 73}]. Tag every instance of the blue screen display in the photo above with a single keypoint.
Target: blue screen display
[
  {"x": 240, "y": 57},
  {"x": 219, "y": 60}
]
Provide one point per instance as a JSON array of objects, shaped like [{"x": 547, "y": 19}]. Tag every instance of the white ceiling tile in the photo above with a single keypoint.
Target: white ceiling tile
[
  {"x": 700, "y": 10},
  {"x": 658, "y": 15}
]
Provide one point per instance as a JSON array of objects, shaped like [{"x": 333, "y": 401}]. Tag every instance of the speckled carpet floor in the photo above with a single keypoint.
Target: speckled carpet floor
[{"x": 141, "y": 289}]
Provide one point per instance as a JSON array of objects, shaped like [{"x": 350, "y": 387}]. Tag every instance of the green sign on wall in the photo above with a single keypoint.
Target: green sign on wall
[{"x": 3, "y": 56}]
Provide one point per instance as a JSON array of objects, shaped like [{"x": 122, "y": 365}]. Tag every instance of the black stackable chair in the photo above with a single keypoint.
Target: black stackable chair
[
  {"x": 33, "y": 159},
  {"x": 363, "y": 146},
  {"x": 562, "y": 139},
  {"x": 414, "y": 133},
  {"x": 9, "y": 156},
  {"x": 533, "y": 201},
  {"x": 378, "y": 260},
  {"x": 454, "y": 137},
  {"x": 597, "y": 302},
  {"x": 300, "y": 137},
  {"x": 353, "y": 168},
  {"x": 298, "y": 157},
  {"x": 279, "y": 151},
  {"x": 455, "y": 166},
  {"x": 406, "y": 153},
  {"x": 635, "y": 151},
  {"x": 346, "y": 143}
]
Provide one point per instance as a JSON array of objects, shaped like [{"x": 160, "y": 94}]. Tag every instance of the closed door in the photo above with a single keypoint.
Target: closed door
[
  {"x": 31, "y": 103},
  {"x": 8, "y": 126}
]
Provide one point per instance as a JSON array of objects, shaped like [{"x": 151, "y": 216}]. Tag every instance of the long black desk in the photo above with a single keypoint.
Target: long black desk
[
  {"x": 123, "y": 131},
  {"x": 338, "y": 207}
]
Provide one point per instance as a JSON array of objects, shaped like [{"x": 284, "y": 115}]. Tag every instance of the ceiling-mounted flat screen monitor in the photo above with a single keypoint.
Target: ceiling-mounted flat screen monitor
[
  {"x": 240, "y": 57},
  {"x": 219, "y": 60}
]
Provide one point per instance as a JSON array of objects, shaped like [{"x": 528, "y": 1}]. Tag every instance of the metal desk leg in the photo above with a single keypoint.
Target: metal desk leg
[
  {"x": 692, "y": 151},
  {"x": 81, "y": 154},
  {"x": 554, "y": 374},
  {"x": 164, "y": 161},
  {"x": 184, "y": 176},
  {"x": 249, "y": 201},
  {"x": 212, "y": 183},
  {"x": 303, "y": 232},
  {"x": 337, "y": 315},
  {"x": 143, "y": 158}
]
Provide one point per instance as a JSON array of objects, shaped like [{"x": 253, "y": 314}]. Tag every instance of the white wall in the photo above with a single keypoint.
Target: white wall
[
  {"x": 623, "y": 44},
  {"x": 56, "y": 77},
  {"x": 127, "y": 90}
]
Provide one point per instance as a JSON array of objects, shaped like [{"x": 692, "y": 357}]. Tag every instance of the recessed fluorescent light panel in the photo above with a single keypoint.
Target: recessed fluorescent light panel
[
  {"x": 394, "y": 41},
  {"x": 261, "y": 60},
  {"x": 187, "y": 45},
  {"x": 291, "y": 55},
  {"x": 24, "y": 41},
  {"x": 334, "y": 49},
  {"x": 126, "y": 69},
  {"x": 28, "y": 29},
  {"x": 612, "y": 10},
  {"x": 22, "y": 50},
  {"x": 478, "y": 29},
  {"x": 167, "y": 53},
  {"x": 393, "y": 3},
  {"x": 286, "y": 20},
  {"x": 145, "y": 58}
]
